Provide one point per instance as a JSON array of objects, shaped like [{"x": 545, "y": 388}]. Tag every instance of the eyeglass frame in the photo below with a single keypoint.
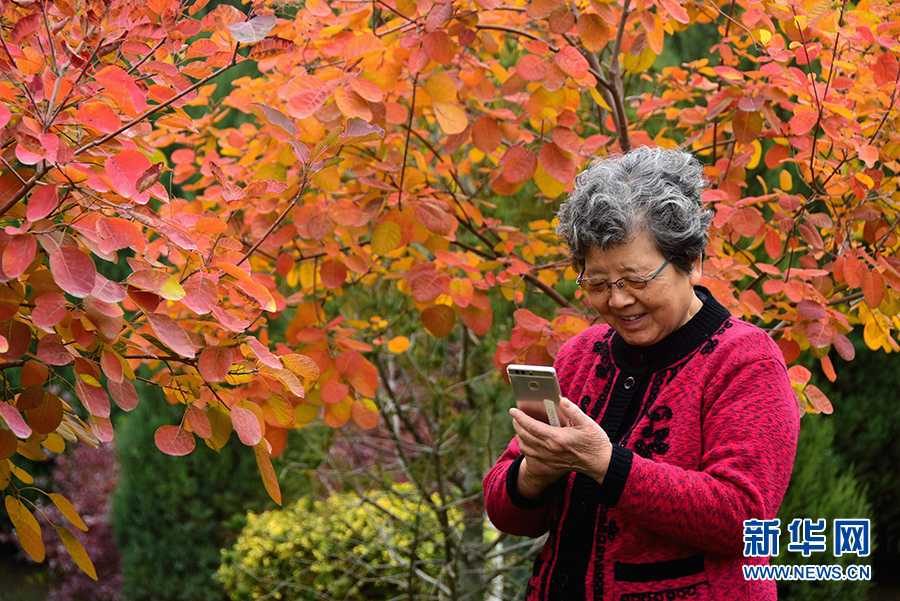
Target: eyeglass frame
[{"x": 620, "y": 283}]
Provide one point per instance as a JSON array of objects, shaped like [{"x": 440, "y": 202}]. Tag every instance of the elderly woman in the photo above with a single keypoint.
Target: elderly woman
[{"x": 683, "y": 425}]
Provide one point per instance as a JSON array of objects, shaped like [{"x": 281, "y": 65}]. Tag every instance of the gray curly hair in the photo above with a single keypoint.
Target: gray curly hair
[{"x": 652, "y": 190}]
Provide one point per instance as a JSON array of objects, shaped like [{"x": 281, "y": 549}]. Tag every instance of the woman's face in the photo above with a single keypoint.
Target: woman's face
[{"x": 642, "y": 317}]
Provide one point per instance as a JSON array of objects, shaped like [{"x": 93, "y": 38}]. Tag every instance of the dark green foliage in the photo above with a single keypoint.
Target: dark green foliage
[
  {"x": 169, "y": 512},
  {"x": 822, "y": 486},
  {"x": 867, "y": 430}
]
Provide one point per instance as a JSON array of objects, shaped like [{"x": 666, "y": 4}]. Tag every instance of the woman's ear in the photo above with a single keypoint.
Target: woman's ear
[{"x": 697, "y": 272}]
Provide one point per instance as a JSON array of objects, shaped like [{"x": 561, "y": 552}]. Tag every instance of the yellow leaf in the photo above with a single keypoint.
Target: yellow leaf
[
  {"x": 304, "y": 414},
  {"x": 785, "y": 180},
  {"x": 640, "y": 63},
  {"x": 441, "y": 88},
  {"x": 27, "y": 528},
  {"x": 172, "y": 290},
  {"x": 764, "y": 36},
  {"x": 598, "y": 98},
  {"x": 398, "y": 344},
  {"x": 386, "y": 237},
  {"x": 451, "y": 118},
  {"x": 873, "y": 335},
  {"x": 548, "y": 184},
  {"x": 76, "y": 550},
  {"x": 68, "y": 510}
]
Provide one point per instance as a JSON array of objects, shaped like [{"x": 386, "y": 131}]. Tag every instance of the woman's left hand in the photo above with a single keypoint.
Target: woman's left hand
[{"x": 583, "y": 446}]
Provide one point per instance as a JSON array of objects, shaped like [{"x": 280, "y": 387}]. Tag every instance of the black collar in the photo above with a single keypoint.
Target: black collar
[{"x": 677, "y": 345}]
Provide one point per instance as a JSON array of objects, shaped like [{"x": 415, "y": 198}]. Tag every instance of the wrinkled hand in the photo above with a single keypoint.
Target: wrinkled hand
[{"x": 552, "y": 452}]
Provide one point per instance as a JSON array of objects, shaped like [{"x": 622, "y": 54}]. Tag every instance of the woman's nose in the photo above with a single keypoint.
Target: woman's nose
[{"x": 619, "y": 297}]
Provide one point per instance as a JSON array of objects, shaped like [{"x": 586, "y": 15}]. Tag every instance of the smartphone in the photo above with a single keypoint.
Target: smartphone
[{"x": 537, "y": 391}]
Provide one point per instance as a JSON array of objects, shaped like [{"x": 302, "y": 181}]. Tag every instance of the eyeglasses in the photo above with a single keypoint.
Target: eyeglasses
[{"x": 630, "y": 283}]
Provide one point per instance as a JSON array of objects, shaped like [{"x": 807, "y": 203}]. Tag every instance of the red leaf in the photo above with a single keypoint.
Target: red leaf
[
  {"x": 123, "y": 393},
  {"x": 427, "y": 285},
  {"x": 439, "y": 47},
  {"x": 675, "y": 9},
  {"x": 18, "y": 338},
  {"x": 199, "y": 422},
  {"x": 18, "y": 254},
  {"x": 529, "y": 321},
  {"x": 486, "y": 134},
  {"x": 477, "y": 320},
  {"x": 108, "y": 291},
  {"x": 571, "y": 62},
  {"x": 14, "y": 420},
  {"x": 111, "y": 365},
  {"x": 267, "y": 472},
  {"x": 333, "y": 273},
  {"x": 844, "y": 347},
  {"x": 42, "y": 202},
  {"x": 246, "y": 425},
  {"x": 818, "y": 399},
  {"x": 872, "y": 287},
  {"x": 262, "y": 353},
  {"x": 214, "y": 363},
  {"x": 175, "y": 441},
  {"x": 94, "y": 398},
  {"x": 171, "y": 334},
  {"x": 115, "y": 233},
  {"x": 124, "y": 170},
  {"x": 49, "y": 310},
  {"x": 557, "y": 162},
  {"x": 99, "y": 116},
  {"x": 519, "y": 164},
  {"x": 532, "y": 67},
  {"x": 334, "y": 392},
  {"x": 820, "y": 334},
  {"x": 200, "y": 293},
  {"x": 811, "y": 310},
  {"x": 434, "y": 219},
  {"x": 51, "y": 351},
  {"x": 73, "y": 271}
]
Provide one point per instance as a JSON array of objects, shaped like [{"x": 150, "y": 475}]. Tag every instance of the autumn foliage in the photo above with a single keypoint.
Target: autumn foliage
[{"x": 159, "y": 212}]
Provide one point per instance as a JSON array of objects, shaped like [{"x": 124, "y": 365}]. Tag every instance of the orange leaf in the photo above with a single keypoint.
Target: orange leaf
[
  {"x": 338, "y": 414},
  {"x": 747, "y": 126},
  {"x": 301, "y": 365},
  {"x": 530, "y": 321},
  {"x": 486, "y": 134},
  {"x": 267, "y": 472},
  {"x": 439, "y": 320},
  {"x": 873, "y": 288},
  {"x": 476, "y": 319},
  {"x": 451, "y": 118},
  {"x": 365, "y": 413},
  {"x": 593, "y": 31},
  {"x": 802, "y": 122}
]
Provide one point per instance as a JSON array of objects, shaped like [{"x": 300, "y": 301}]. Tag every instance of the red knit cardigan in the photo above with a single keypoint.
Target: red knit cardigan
[{"x": 706, "y": 427}]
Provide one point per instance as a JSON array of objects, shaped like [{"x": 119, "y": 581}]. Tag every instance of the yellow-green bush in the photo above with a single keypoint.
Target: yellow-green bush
[{"x": 342, "y": 547}]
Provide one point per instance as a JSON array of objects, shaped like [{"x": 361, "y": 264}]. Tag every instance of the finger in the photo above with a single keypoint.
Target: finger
[{"x": 575, "y": 415}]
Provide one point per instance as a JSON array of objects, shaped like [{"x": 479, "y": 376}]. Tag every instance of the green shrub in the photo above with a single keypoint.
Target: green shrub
[
  {"x": 342, "y": 547},
  {"x": 822, "y": 486},
  {"x": 168, "y": 512}
]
